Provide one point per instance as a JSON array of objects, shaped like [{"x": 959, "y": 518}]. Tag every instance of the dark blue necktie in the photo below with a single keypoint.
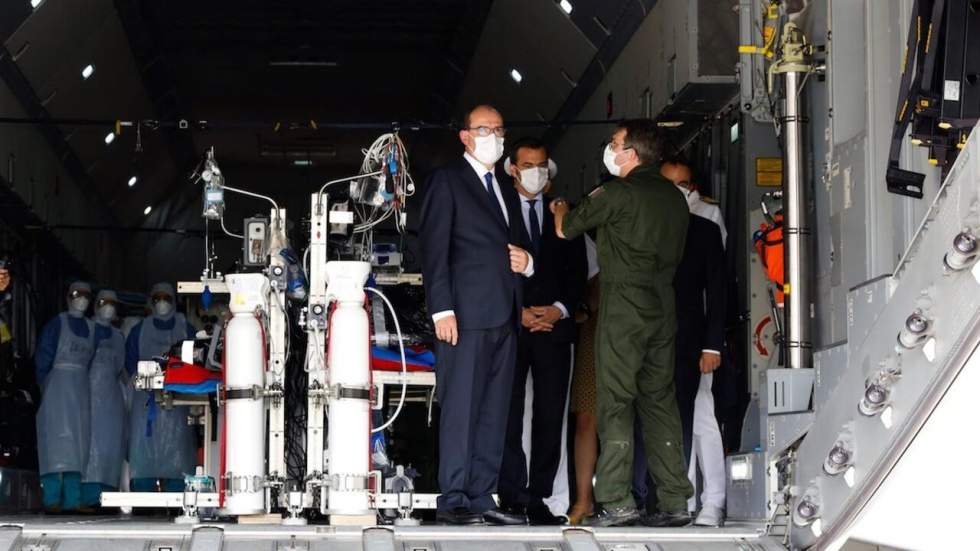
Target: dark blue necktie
[
  {"x": 494, "y": 204},
  {"x": 532, "y": 218}
]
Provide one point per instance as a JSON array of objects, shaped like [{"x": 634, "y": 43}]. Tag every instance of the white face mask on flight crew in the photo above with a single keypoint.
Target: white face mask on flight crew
[
  {"x": 488, "y": 149},
  {"x": 533, "y": 180},
  {"x": 609, "y": 159}
]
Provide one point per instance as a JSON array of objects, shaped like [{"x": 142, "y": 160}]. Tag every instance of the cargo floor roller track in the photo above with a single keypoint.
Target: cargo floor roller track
[{"x": 148, "y": 534}]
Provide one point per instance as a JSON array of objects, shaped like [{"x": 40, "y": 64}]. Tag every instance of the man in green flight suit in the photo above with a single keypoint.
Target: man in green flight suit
[{"x": 642, "y": 224}]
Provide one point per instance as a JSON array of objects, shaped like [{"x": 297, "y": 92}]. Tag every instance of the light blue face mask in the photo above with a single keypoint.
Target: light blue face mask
[
  {"x": 107, "y": 313},
  {"x": 79, "y": 305},
  {"x": 163, "y": 308}
]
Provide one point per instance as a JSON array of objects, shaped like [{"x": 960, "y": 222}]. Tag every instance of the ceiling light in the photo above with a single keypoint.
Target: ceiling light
[
  {"x": 302, "y": 162},
  {"x": 566, "y": 6},
  {"x": 147, "y": 210},
  {"x": 670, "y": 124},
  {"x": 516, "y": 75},
  {"x": 110, "y": 137},
  {"x": 36, "y": 3},
  {"x": 132, "y": 181},
  {"x": 295, "y": 63},
  {"x": 87, "y": 71}
]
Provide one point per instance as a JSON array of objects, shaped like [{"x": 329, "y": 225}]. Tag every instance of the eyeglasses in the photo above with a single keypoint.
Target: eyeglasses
[
  {"x": 618, "y": 146},
  {"x": 79, "y": 293},
  {"x": 106, "y": 302},
  {"x": 484, "y": 131},
  {"x": 157, "y": 298}
]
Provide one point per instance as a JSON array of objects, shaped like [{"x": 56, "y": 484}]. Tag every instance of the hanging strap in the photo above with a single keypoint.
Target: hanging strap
[
  {"x": 931, "y": 46},
  {"x": 920, "y": 54}
]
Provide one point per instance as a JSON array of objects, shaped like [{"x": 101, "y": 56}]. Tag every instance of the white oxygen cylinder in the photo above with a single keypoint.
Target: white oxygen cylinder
[
  {"x": 244, "y": 474},
  {"x": 349, "y": 417}
]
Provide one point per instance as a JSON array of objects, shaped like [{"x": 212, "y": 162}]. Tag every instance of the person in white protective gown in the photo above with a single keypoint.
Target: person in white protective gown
[{"x": 107, "y": 377}]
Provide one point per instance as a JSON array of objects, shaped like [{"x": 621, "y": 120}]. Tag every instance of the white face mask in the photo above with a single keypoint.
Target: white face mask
[
  {"x": 79, "y": 305},
  {"x": 107, "y": 312},
  {"x": 533, "y": 180},
  {"x": 163, "y": 308},
  {"x": 488, "y": 149},
  {"x": 688, "y": 195},
  {"x": 609, "y": 159}
]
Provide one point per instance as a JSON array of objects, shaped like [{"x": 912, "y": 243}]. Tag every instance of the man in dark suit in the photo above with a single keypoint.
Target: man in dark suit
[
  {"x": 699, "y": 288},
  {"x": 702, "y": 392},
  {"x": 544, "y": 347},
  {"x": 473, "y": 259}
]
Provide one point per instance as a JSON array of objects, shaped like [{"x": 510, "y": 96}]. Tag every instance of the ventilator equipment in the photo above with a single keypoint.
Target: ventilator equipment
[{"x": 234, "y": 380}]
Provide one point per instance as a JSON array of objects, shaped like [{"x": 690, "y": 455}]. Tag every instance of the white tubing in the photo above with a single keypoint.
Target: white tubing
[{"x": 401, "y": 347}]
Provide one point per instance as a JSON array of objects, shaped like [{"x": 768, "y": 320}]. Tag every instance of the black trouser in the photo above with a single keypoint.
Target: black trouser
[
  {"x": 473, "y": 386},
  {"x": 549, "y": 363}
]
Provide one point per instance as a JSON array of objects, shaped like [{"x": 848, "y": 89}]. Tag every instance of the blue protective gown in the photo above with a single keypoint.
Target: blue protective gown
[
  {"x": 161, "y": 443},
  {"x": 62, "y": 361},
  {"x": 64, "y": 351}
]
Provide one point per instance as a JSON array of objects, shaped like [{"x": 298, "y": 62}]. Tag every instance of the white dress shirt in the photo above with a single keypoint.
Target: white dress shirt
[
  {"x": 704, "y": 209},
  {"x": 539, "y": 210},
  {"x": 481, "y": 171}
]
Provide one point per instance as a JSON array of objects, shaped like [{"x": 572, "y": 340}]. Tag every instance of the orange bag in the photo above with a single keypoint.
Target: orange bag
[{"x": 768, "y": 242}]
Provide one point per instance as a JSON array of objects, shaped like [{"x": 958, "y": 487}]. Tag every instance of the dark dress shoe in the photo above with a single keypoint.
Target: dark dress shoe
[
  {"x": 505, "y": 518},
  {"x": 460, "y": 516},
  {"x": 512, "y": 509},
  {"x": 540, "y": 515}
]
